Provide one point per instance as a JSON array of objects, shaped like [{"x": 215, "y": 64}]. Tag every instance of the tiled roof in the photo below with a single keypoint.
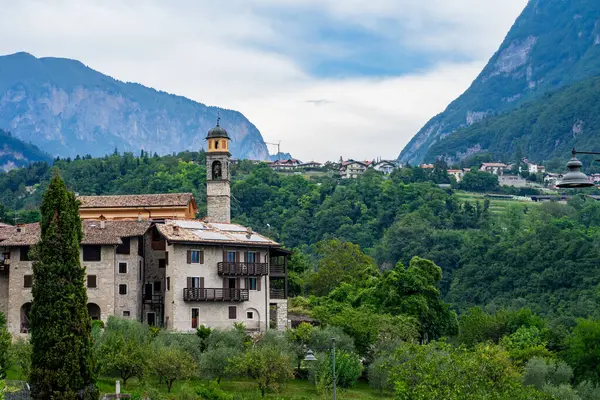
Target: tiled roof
[
  {"x": 193, "y": 231},
  {"x": 494, "y": 165},
  {"x": 136, "y": 200},
  {"x": 111, "y": 234}
]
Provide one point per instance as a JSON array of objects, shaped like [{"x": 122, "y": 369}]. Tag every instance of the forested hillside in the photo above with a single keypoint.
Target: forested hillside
[
  {"x": 543, "y": 129},
  {"x": 541, "y": 257},
  {"x": 553, "y": 44}
]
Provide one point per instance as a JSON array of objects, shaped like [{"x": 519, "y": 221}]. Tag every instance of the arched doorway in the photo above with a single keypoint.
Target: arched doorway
[
  {"x": 25, "y": 310},
  {"x": 94, "y": 311}
]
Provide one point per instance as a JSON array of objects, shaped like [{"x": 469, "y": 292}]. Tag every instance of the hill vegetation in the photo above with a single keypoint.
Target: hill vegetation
[
  {"x": 14, "y": 153},
  {"x": 552, "y": 44},
  {"x": 544, "y": 129},
  {"x": 390, "y": 266},
  {"x": 67, "y": 108}
]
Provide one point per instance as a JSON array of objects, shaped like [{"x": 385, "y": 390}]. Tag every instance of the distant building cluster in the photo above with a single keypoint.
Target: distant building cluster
[
  {"x": 293, "y": 165},
  {"x": 352, "y": 169}
]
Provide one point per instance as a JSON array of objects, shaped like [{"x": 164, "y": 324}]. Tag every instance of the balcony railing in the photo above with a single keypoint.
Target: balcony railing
[
  {"x": 242, "y": 268},
  {"x": 278, "y": 294},
  {"x": 277, "y": 270},
  {"x": 210, "y": 294}
]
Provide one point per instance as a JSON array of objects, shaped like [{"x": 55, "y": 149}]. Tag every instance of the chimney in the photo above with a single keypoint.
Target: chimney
[
  {"x": 102, "y": 222},
  {"x": 19, "y": 228},
  {"x": 176, "y": 230},
  {"x": 139, "y": 216},
  {"x": 249, "y": 232}
]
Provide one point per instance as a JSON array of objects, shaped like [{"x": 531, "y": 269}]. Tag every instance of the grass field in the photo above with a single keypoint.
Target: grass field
[
  {"x": 293, "y": 390},
  {"x": 496, "y": 206}
]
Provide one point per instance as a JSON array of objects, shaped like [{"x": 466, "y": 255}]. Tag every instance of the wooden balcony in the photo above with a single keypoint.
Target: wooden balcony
[
  {"x": 277, "y": 270},
  {"x": 242, "y": 268},
  {"x": 277, "y": 294},
  {"x": 213, "y": 294}
]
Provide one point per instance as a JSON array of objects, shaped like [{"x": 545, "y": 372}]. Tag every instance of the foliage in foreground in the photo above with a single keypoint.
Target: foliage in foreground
[{"x": 62, "y": 360}]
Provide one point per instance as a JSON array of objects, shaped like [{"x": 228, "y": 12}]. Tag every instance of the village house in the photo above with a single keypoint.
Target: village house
[
  {"x": 351, "y": 169},
  {"x": 148, "y": 258},
  {"x": 384, "y": 166},
  {"x": 494, "y": 168},
  {"x": 457, "y": 174},
  {"x": 286, "y": 165}
]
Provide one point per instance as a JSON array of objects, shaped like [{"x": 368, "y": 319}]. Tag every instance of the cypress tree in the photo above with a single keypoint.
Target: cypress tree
[{"x": 62, "y": 363}]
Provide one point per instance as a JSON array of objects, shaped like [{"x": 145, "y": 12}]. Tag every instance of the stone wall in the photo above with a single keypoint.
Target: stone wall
[
  {"x": 130, "y": 302},
  {"x": 153, "y": 273},
  {"x": 103, "y": 295},
  {"x": 17, "y": 294}
]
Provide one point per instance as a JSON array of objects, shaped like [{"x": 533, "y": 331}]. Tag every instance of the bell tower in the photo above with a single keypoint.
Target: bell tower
[{"x": 218, "y": 194}]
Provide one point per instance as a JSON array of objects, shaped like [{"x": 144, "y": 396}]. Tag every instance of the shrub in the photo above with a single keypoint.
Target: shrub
[
  {"x": 348, "y": 369},
  {"x": 212, "y": 392}
]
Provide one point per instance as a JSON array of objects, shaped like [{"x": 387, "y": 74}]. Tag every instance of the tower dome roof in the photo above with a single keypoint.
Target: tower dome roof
[{"x": 217, "y": 131}]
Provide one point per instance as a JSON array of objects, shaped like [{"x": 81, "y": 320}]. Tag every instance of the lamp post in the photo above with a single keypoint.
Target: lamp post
[
  {"x": 310, "y": 356},
  {"x": 575, "y": 179}
]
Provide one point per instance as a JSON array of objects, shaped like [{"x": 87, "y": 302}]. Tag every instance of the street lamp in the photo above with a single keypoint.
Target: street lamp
[
  {"x": 310, "y": 356},
  {"x": 575, "y": 178}
]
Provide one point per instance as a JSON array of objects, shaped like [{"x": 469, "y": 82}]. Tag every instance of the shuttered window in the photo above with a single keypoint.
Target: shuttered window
[
  {"x": 91, "y": 281},
  {"x": 195, "y": 257},
  {"x": 157, "y": 286},
  {"x": 252, "y": 283},
  {"x": 195, "y": 282},
  {"x": 168, "y": 283},
  {"x": 122, "y": 289},
  {"x": 232, "y": 312},
  {"x": 28, "y": 281},
  {"x": 122, "y": 268}
]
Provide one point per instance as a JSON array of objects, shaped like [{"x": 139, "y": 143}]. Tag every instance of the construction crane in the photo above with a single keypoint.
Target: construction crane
[{"x": 278, "y": 148}]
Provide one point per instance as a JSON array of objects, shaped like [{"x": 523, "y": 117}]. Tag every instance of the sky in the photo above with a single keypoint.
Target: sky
[{"x": 327, "y": 78}]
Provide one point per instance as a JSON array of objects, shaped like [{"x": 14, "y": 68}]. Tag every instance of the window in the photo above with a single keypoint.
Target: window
[
  {"x": 162, "y": 263},
  {"x": 124, "y": 248},
  {"x": 122, "y": 289},
  {"x": 231, "y": 256},
  {"x": 194, "y": 282},
  {"x": 141, "y": 246},
  {"x": 126, "y": 313},
  {"x": 195, "y": 317},
  {"x": 250, "y": 315},
  {"x": 28, "y": 281},
  {"x": 216, "y": 144},
  {"x": 24, "y": 256},
  {"x": 91, "y": 281},
  {"x": 122, "y": 268},
  {"x": 157, "y": 286},
  {"x": 195, "y": 257},
  {"x": 252, "y": 283},
  {"x": 251, "y": 257},
  {"x": 140, "y": 271},
  {"x": 92, "y": 253},
  {"x": 168, "y": 283},
  {"x": 232, "y": 312}
]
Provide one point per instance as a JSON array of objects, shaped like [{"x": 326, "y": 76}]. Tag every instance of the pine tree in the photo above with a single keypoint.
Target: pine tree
[{"x": 62, "y": 361}]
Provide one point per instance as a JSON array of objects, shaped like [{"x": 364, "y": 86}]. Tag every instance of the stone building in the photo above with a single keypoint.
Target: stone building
[{"x": 148, "y": 259}]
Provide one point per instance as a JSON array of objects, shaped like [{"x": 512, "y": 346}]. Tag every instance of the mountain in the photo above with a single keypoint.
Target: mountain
[
  {"x": 552, "y": 44},
  {"x": 14, "y": 153},
  {"x": 543, "y": 129},
  {"x": 67, "y": 109}
]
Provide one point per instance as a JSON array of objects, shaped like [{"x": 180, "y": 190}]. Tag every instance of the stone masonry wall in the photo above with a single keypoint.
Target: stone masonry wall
[{"x": 129, "y": 303}]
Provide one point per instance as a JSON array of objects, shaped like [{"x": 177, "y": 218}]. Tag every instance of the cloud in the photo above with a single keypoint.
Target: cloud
[{"x": 355, "y": 78}]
